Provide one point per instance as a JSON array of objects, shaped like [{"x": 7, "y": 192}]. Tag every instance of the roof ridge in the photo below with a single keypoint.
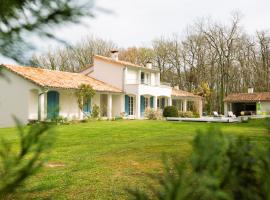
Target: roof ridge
[{"x": 119, "y": 61}]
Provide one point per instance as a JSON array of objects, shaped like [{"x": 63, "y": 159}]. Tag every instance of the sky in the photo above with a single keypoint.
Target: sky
[{"x": 138, "y": 22}]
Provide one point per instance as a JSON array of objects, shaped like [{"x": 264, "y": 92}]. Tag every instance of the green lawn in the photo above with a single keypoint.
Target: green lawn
[{"x": 101, "y": 159}]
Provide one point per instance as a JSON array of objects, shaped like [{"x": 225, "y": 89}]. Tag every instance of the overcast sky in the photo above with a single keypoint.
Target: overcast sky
[{"x": 137, "y": 22}]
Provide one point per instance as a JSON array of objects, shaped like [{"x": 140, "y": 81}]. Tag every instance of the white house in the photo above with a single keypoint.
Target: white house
[
  {"x": 38, "y": 94},
  {"x": 141, "y": 86},
  {"x": 121, "y": 87}
]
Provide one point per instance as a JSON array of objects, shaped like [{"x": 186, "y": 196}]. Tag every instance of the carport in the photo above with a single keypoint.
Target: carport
[{"x": 250, "y": 103}]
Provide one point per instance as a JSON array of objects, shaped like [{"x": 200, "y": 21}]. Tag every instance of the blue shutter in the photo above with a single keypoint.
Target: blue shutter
[
  {"x": 126, "y": 104},
  {"x": 52, "y": 104},
  {"x": 142, "y": 105},
  {"x": 87, "y": 106},
  {"x": 152, "y": 102}
]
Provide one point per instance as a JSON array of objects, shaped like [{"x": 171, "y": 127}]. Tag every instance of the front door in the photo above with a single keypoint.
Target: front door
[{"x": 52, "y": 105}]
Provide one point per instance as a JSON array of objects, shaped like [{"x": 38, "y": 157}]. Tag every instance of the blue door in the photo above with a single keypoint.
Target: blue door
[
  {"x": 52, "y": 105},
  {"x": 87, "y": 107}
]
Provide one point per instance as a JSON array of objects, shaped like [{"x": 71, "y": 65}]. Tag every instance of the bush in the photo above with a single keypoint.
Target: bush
[
  {"x": 196, "y": 114},
  {"x": 60, "y": 120},
  {"x": 153, "y": 114},
  {"x": 187, "y": 114},
  {"x": 95, "y": 112},
  {"x": 231, "y": 169},
  {"x": 170, "y": 111}
]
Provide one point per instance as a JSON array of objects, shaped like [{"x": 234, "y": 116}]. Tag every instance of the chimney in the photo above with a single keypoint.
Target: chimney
[
  {"x": 250, "y": 90},
  {"x": 114, "y": 54},
  {"x": 149, "y": 65}
]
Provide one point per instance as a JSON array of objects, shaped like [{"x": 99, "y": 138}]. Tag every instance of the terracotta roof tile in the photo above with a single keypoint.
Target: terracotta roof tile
[
  {"x": 59, "y": 79},
  {"x": 182, "y": 93},
  {"x": 123, "y": 63},
  {"x": 248, "y": 97}
]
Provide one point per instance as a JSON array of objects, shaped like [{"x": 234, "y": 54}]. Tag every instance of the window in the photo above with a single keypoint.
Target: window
[
  {"x": 131, "y": 106},
  {"x": 161, "y": 102},
  {"x": 178, "y": 104},
  {"x": 145, "y": 78},
  {"x": 142, "y": 77}
]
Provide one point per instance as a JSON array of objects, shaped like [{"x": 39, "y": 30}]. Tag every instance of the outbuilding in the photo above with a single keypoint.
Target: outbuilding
[{"x": 250, "y": 103}]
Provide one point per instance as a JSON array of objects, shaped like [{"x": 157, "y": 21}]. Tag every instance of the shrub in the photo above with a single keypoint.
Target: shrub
[
  {"x": 153, "y": 114},
  {"x": 231, "y": 169},
  {"x": 95, "y": 112},
  {"x": 187, "y": 114},
  {"x": 170, "y": 111},
  {"x": 196, "y": 114},
  {"x": 60, "y": 120}
]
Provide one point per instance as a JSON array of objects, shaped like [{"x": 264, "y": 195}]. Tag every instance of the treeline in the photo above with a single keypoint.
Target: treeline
[{"x": 212, "y": 59}]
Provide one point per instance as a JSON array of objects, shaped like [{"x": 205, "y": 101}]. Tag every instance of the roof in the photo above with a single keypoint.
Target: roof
[
  {"x": 59, "y": 79},
  {"x": 120, "y": 62},
  {"x": 182, "y": 93},
  {"x": 248, "y": 97}
]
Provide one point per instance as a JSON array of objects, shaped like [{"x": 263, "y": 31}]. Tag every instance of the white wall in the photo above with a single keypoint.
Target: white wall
[
  {"x": 96, "y": 100},
  {"x": 153, "y": 79},
  {"x": 118, "y": 105},
  {"x": 265, "y": 107},
  {"x": 108, "y": 72},
  {"x": 14, "y": 98},
  {"x": 33, "y": 104},
  {"x": 132, "y": 76},
  {"x": 68, "y": 105}
]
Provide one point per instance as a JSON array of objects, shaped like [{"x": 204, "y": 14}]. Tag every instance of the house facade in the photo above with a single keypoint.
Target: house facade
[
  {"x": 121, "y": 88},
  {"x": 38, "y": 94},
  {"x": 141, "y": 86}
]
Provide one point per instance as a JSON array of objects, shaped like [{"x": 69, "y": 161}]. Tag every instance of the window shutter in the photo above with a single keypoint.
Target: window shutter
[
  {"x": 142, "y": 105},
  {"x": 127, "y": 104},
  {"x": 152, "y": 102}
]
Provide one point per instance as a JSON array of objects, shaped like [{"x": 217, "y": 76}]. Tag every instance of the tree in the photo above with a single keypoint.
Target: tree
[
  {"x": 74, "y": 58},
  {"x": 84, "y": 93},
  {"x": 20, "y": 19},
  {"x": 17, "y": 166}
]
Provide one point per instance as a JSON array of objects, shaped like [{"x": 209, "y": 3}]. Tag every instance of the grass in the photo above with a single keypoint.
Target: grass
[{"x": 99, "y": 160}]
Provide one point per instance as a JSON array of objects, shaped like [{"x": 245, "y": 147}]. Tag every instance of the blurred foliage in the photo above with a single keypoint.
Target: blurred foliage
[
  {"x": 17, "y": 165},
  {"x": 220, "y": 167},
  {"x": 21, "y": 18}
]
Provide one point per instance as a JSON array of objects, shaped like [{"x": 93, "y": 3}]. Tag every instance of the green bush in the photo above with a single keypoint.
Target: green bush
[
  {"x": 95, "y": 112},
  {"x": 170, "y": 111},
  {"x": 220, "y": 167},
  {"x": 196, "y": 114},
  {"x": 60, "y": 120}
]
